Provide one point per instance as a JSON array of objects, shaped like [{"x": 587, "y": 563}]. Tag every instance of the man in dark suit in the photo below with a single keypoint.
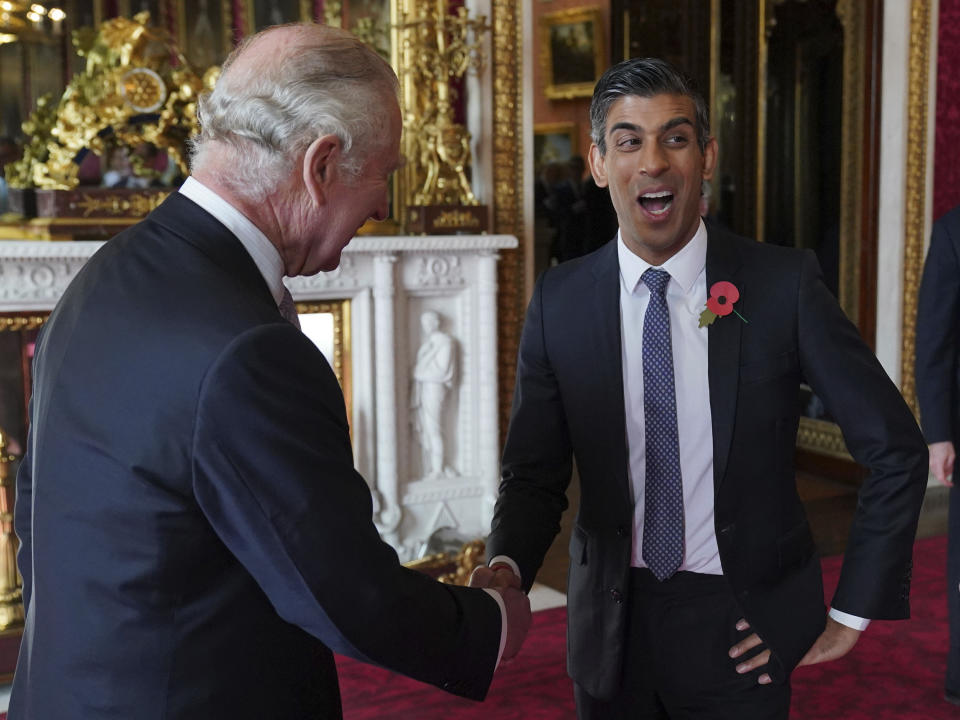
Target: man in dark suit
[
  {"x": 194, "y": 537},
  {"x": 937, "y": 373},
  {"x": 667, "y": 365}
]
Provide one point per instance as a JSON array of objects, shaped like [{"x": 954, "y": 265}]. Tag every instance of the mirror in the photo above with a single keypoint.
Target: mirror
[{"x": 787, "y": 83}]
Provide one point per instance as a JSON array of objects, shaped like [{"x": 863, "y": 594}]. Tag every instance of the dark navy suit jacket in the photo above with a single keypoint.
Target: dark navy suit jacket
[
  {"x": 569, "y": 403},
  {"x": 938, "y": 333},
  {"x": 194, "y": 537}
]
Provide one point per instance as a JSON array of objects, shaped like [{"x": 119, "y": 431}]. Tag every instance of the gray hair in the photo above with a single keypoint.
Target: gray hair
[
  {"x": 323, "y": 81},
  {"x": 644, "y": 77}
]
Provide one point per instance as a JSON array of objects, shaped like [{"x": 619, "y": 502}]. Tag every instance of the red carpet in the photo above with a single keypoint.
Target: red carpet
[{"x": 894, "y": 673}]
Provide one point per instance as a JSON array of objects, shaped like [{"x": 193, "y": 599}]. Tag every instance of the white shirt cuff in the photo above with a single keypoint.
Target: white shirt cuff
[
  {"x": 503, "y": 622},
  {"x": 506, "y": 561},
  {"x": 857, "y": 623}
]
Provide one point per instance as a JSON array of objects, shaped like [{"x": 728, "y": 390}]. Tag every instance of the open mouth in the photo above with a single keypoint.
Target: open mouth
[{"x": 657, "y": 203}]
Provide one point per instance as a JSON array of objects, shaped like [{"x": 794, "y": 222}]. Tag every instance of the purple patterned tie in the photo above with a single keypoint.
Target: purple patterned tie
[{"x": 663, "y": 530}]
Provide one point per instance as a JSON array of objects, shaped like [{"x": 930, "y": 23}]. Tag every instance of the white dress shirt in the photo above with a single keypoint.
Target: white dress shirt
[
  {"x": 686, "y": 299},
  {"x": 263, "y": 252}
]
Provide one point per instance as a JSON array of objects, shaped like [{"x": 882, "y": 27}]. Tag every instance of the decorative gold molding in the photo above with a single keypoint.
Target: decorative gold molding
[
  {"x": 508, "y": 190},
  {"x": 16, "y": 323},
  {"x": 852, "y": 17},
  {"x": 915, "y": 190},
  {"x": 823, "y": 437}
]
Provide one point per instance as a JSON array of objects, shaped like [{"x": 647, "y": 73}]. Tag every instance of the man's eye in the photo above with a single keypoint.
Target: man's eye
[
  {"x": 628, "y": 142},
  {"x": 677, "y": 139}
]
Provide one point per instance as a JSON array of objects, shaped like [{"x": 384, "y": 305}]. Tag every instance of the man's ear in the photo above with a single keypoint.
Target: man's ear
[
  {"x": 597, "y": 167},
  {"x": 320, "y": 166},
  {"x": 710, "y": 158}
]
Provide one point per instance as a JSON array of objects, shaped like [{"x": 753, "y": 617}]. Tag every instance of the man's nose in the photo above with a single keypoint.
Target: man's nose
[{"x": 653, "y": 160}]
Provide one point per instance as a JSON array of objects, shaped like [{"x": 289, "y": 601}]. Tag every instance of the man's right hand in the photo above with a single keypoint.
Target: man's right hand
[
  {"x": 518, "y": 620},
  {"x": 942, "y": 456},
  {"x": 500, "y": 575}
]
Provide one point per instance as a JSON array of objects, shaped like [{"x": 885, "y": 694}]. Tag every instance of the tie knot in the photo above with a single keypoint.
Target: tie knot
[{"x": 656, "y": 280}]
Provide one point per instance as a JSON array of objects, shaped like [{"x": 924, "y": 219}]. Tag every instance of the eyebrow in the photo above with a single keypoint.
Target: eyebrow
[{"x": 668, "y": 125}]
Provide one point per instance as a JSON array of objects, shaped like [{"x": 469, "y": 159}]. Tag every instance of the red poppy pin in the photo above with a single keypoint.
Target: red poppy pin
[{"x": 723, "y": 295}]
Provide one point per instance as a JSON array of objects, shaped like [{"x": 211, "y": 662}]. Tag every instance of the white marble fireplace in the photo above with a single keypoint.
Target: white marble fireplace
[{"x": 419, "y": 344}]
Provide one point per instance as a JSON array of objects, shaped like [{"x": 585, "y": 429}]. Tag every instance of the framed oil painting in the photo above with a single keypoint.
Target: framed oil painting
[
  {"x": 572, "y": 52},
  {"x": 553, "y": 143}
]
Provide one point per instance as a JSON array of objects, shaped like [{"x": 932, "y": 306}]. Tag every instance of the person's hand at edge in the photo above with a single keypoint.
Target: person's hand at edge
[
  {"x": 836, "y": 641},
  {"x": 757, "y": 661},
  {"x": 942, "y": 457}
]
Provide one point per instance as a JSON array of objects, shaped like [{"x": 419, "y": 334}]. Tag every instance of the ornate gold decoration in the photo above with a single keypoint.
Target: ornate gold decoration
[
  {"x": 508, "y": 191},
  {"x": 823, "y": 437},
  {"x": 914, "y": 202},
  {"x": 131, "y": 92},
  {"x": 16, "y": 323},
  {"x": 851, "y": 15},
  {"x": 449, "y": 568},
  {"x": 11, "y": 584},
  {"x": 435, "y": 48},
  {"x": 124, "y": 205}
]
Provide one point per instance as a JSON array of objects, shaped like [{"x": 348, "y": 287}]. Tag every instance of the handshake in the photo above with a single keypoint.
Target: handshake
[{"x": 502, "y": 579}]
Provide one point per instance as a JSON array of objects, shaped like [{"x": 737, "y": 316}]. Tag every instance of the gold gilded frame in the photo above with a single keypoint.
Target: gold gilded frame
[
  {"x": 915, "y": 191},
  {"x": 342, "y": 342},
  {"x": 563, "y": 91}
]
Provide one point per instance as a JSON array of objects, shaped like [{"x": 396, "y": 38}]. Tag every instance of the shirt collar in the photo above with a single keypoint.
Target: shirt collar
[
  {"x": 684, "y": 267},
  {"x": 263, "y": 252}
]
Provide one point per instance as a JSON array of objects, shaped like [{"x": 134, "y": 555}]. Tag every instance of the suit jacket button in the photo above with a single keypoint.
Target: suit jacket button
[
  {"x": 622, "y": 531},
  {"x": 617, "y": 596}
]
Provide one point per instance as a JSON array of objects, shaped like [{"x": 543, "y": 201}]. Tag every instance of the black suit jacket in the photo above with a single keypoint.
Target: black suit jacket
[
  {"x": 194, "y": 537},
  {"x": 938, "y": 333},
  {"x": 569, "y": 401}
]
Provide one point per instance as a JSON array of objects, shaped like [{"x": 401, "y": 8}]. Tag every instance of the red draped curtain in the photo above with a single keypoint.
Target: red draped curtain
[{"x": 946, "y": 169}]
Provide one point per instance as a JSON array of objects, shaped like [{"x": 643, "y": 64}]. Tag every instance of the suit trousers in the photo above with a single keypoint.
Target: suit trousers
[
  {"x": 676, "y": 663},
  {"x": 952, "y": 682}
]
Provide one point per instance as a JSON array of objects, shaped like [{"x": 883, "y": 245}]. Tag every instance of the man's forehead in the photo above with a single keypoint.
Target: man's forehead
[{"x": 656, "y": 109}]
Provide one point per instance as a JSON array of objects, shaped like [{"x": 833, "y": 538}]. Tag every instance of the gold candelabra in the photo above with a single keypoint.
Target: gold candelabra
[{"x": 438, "y": 47}]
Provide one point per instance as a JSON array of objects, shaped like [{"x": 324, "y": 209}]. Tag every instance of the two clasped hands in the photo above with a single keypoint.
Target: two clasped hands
[
  {"x": 835, "y": 641},
  {"x": 501, "y": 578}
]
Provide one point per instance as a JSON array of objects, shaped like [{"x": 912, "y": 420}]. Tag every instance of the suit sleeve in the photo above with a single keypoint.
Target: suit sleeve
[
  {"x": 537, "y": 456},
  {"x": 937, "y": 329},
  {"x": 273, "y": 473},
  {"x": 882, "y": 435}
]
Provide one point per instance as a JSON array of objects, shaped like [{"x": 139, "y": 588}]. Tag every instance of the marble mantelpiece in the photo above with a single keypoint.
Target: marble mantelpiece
[{"x": 389, "y": 282}]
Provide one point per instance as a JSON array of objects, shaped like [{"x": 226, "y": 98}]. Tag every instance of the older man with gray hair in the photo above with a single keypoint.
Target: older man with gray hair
[{"x": 195, "y": 540}]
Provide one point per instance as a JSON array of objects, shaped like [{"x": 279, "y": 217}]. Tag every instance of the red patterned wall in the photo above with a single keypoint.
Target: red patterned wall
[{"x": 946, "y": 164}]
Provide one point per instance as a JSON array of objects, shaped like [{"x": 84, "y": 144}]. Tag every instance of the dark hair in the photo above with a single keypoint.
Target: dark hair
[{"x": 645, "y": 77}]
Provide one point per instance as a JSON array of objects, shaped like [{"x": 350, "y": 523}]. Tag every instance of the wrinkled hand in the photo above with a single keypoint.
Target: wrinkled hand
[
  {"x": 836, "y": 641},
  {"x": 518, "y": 620},
  {"x": 942, "y": 456},
  {"x": 500, "y": 575},
  {"x": 748, "y": 643}
]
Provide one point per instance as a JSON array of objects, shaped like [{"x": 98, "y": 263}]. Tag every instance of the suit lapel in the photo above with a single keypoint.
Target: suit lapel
[
  {"x": 723, "y": 350},
  {"x": 605, "y": 313}
]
